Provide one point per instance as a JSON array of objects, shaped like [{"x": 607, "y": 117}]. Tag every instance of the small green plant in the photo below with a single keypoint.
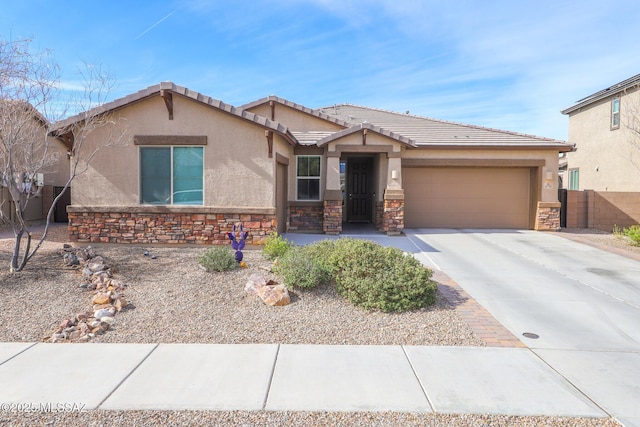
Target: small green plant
[
  {"x": 218, "y": 259},
  {"x": 299, "y": 268},
  {"x": 633, "y": 233},
  {"x": 275, "y": 246}
]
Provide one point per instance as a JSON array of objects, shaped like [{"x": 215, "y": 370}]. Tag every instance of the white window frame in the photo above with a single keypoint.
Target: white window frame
[
  {"x": 171, "y": 147},
  {"x": 615, "y": 114},
  {"x": 574, "y": 179},
  {"x": 298, "y": 178}
]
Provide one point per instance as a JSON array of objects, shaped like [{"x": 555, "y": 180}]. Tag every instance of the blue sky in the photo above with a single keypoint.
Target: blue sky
[{"x": 510, "y": 65}]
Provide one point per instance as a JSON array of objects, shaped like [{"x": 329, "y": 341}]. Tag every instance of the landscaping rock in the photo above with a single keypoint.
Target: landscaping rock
[
  {"x": 101, "y": 298},
  {"x": 275, "y": 295},
  {"x": 255, "y": 283}
]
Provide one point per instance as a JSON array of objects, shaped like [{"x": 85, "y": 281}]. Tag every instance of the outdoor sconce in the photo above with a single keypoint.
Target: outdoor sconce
[{"x": 394, "y": 174}]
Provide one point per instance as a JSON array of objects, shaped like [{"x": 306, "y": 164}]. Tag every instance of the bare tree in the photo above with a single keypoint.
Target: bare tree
[
  {"x": 630, "y": 121},
  {"x": 29, "y": 101}
]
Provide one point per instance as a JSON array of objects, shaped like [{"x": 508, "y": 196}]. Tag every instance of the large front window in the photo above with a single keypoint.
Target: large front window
[
  {"x": 171, "y": 175},
  {"x": 308, "y": 178}
]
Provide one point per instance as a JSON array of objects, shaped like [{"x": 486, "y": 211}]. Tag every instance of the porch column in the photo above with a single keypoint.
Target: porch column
[
  {"x": 393, "y": 204},
  {"x": 332, "y": 215}
]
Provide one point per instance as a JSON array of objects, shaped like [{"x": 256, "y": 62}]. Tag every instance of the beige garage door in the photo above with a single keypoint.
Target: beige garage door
[{"x": 473, "y": 197}]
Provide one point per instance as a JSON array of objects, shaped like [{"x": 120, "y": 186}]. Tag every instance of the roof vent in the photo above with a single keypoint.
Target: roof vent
[{"x": 406, "y": 112}]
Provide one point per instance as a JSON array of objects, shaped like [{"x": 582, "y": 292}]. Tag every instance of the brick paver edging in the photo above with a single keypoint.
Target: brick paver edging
[{"x": 483, "y": 324}]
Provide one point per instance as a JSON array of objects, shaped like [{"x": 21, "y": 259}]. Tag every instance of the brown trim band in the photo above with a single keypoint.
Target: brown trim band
[
  {"x": 308, "y": 150},
  {"x": 169, "y": 140},
  {"x": 282, "y": 159},
  {"x": 366, "y": 149},
  {"x": 332, "y": 194},
  {"x": 173, "y": 209},
  {"x": 418, "y": 163},
  {"x": 301, "y": 203}
]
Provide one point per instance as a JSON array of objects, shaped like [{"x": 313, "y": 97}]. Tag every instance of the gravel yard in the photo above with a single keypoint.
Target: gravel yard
[{"x": 174, "y": 301}]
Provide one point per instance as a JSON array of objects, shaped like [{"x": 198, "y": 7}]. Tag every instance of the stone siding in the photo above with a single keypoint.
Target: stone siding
[
  {"x": 332, "y": 218},
  {"x": 305, "y": 218},
  {"x": 548, "y": 216},
  {"x": 165, "y": 227},
  {"x": 393, "y": 216}
]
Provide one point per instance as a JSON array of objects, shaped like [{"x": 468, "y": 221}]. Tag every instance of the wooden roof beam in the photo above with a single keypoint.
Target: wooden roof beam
[{"x": 168, "y": 101}]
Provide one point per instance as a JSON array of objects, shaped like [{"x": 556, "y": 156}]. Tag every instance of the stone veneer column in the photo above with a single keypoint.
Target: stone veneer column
[
  {"x": 393, "y": 211},
  {"x": 548, "y": 216},
  {"x": 332, "y": 215}
]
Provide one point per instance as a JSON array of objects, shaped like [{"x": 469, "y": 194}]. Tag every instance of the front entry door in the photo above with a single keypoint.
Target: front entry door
[{"x": 359, "y": 173}]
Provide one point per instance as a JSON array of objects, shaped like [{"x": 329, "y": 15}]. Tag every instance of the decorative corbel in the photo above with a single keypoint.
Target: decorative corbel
[
  {"x": 168, "y": 101},
  {"x": 364, "y": 137},
  {"x": 269, "y": 135},
  {"x": 67, "y": 139}
]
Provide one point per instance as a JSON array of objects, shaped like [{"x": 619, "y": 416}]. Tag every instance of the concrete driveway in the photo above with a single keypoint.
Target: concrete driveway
[{"x": 582, "y": 303}]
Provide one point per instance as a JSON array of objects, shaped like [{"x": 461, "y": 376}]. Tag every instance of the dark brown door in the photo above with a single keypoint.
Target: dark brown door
[{"x": 359, "y": 173}]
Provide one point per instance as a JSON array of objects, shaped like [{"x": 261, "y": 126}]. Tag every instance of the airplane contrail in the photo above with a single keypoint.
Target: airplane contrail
[{"x": 155, "y": 25}]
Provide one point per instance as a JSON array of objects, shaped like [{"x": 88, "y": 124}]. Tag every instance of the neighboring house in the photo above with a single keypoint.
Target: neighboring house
[
  {"x": 193, "y": 166},
  {"x": 47, "y": 157},
  {"x": 605, "y": 128}
]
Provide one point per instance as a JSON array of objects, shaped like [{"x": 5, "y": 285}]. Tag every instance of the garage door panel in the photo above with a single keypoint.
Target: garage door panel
[{"x": 466, "y": 197}]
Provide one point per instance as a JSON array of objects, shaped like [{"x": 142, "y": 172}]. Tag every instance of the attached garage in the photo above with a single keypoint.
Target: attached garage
[{"x": 467, "y": 197}]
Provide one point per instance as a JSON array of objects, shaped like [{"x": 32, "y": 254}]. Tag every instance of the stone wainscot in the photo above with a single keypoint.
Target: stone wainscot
[{"x": 167, "y": 224}]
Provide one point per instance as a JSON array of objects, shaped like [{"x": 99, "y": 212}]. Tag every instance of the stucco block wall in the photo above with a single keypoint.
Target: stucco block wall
[
  {"x": 602, "y": 210},
  {"x": 577, "y": 209}
]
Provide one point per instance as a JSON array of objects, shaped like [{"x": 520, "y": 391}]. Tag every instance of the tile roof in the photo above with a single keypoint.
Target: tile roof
[
  {"x": 179, "y": 90},
  {"x": 601, "y": 94},
  {"x": 310, "y": 138},
  {"x": 356, "y": 128},
  {"x": 427, "y": 132}
]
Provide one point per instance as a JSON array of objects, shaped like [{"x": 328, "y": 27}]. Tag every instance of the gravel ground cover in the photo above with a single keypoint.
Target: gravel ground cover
[
  {"x": 174, "y": 301},
  {"x": 277, "y": 419}
]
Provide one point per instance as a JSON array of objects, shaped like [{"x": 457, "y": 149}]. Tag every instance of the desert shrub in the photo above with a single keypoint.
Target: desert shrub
[
  {"x": 633, "y": 233},
  {"x": 378, "y": 278},
  {"x": 299, "y": 268},
  {"x": 321, "y": 252},
  {"x": 219, "y": 258},
  {"x": 275, "y": 246},
  {"x": 617, "y": 231}
]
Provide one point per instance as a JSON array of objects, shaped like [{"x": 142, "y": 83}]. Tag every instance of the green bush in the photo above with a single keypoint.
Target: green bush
[
  {"x": 367, "y": 274},
  {"x": 219, "y": 258},
  {"x": 299, "y": 268},
  {"x": 275, "y": 246},
  {"x": 633, "y": 233},
  {"x": 378, "y": 278}
]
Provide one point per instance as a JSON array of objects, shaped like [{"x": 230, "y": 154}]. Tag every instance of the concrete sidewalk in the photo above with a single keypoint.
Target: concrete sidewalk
[{"x": 272, "y": 377}]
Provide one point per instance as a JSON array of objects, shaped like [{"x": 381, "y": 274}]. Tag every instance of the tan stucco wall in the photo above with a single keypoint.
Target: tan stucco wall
[
  {"x": 238, "y": 171},
  {"x": 57, "y": 173},
  {"x": 607, "y": 159},
  {"x": 294, "y": 120},
  {"x": 548, "y": 178}
]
